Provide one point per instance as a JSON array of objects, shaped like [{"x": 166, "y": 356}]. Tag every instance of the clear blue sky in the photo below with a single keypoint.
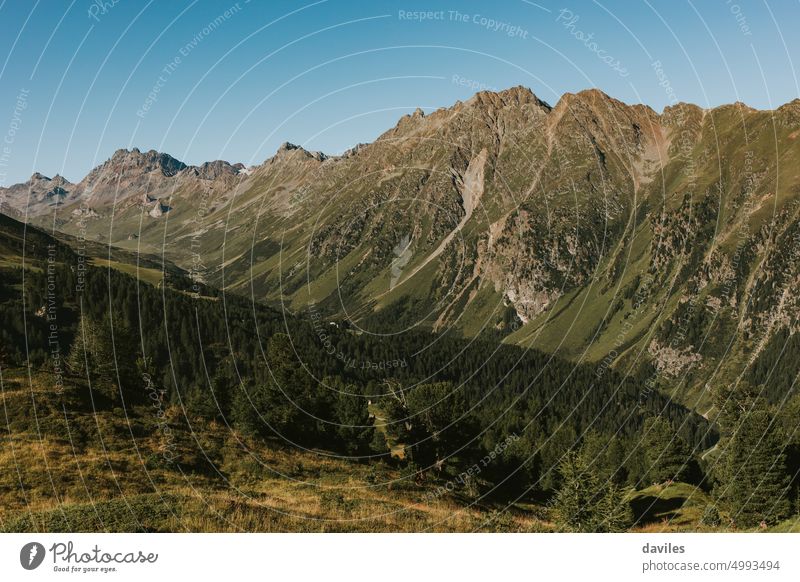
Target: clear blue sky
[{"x": 329, "y": 74}]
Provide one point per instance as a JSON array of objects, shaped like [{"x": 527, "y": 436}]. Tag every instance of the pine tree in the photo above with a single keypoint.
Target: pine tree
[
  {"x": 277, "y": 403},
  {"x": 608, "y": 454},
  {"x": 106, "y": 356},
  {"x": 732, "y": 402},
  {"x": 355, "y": 430},
  {"x": 244, "y": 415},
  {"x": 92, "y": 352},
  {"x": 667, "y": 455},
  {"x": 437, "y": 417},
  {"x": 200, "y": 401},
  {"x": 757, "y": 483},
  {"x": 397, "y": 429},
  {"x": 587, "y": 503},
  {"x": 753, "y": 474}
]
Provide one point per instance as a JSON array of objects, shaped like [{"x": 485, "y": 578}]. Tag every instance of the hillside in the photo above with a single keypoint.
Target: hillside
[
  {"x": 595, "y": 297},
  {"x": 75, "y": 467},
  {"x": 660, "y": 244},
  {"x": 70, "y": 467},
  {"x": 180, "y": 427}
]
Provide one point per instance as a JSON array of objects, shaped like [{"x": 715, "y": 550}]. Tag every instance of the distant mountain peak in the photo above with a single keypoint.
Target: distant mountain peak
[
  {"x": 145, "y": 162},
  {"x": 290, "y": 148},
  {"x": 215, "y": 169},
  {"x": 514, "y": 97},
  {"x": 57, "y": 180}
]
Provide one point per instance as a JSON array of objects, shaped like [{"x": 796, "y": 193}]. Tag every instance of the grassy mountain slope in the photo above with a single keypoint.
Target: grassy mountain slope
[
  {"x": 139, "y": 450},
  {"x": 591, "y": 229}
]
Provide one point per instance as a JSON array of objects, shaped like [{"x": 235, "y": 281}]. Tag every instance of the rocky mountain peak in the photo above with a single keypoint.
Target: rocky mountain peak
[
  {"x": 39, "y": 195},
  {"x": 680, "y": 113},
  {"x": 354, "y": 150},
  {"x": 287, "y": 149},
  {"x": 214, "y": 170},
  {"x": 513, "y": 97},
  {"x": 39, "y": 178},
  {"x": 589, "y": 99},
  {"x": 135, "y": 160}
]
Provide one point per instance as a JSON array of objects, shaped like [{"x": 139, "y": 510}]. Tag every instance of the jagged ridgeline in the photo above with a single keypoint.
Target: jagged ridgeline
[{"x": 592, "y": 229}]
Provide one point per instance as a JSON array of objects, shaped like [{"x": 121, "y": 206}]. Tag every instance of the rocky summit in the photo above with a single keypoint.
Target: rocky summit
[{"x": 663, "y": 244}]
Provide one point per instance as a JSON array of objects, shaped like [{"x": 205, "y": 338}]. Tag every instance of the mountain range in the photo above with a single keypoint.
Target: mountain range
[{"x": 662, "y": 245}]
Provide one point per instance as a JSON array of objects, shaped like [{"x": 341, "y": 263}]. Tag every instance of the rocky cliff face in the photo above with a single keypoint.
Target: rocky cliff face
[{"x": 593, "y": 228}]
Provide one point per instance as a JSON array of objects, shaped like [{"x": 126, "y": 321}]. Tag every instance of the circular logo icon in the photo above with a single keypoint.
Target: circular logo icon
[{"x": 31, "y": 555}]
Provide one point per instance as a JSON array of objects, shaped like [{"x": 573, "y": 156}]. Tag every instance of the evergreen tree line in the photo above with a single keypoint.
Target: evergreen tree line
[{"x": 581, "y": 438}]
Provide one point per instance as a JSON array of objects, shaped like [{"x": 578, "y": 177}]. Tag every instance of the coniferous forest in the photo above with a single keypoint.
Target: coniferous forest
[{"x": 171, "y": 372}]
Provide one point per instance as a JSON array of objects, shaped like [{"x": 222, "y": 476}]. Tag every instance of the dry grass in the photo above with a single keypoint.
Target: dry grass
[{"x": 101, "y": 471}]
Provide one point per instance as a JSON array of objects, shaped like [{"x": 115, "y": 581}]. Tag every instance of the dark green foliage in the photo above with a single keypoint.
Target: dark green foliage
[
  {"x": 787, "y": 419},
  {"x": 259, "y": 370},
  {"x": 200, "y": 402},
  {"x": 106, "y": 356},
  {"x": 92, "y": 351},
  {"x": 437, "y": 415},
  {"x": 398, "y": 423},
  {"x": 517, "y": 470},
  {"x": 753, "y": 477},
  {"x": 585, "y": 502},
  {"x": 354, "y": 430},
  {"x": 378, "y": 445},
  {"x": 711, "y": 517},
  {"x": 609, "y": 456},
  {"x": 667, "y": 456},
  {"x": 757, "y": 485},
  {"x": 141, "y": 513},
  {"x": 244, "y": 414},
  {"x": 777, "y": 365}
]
